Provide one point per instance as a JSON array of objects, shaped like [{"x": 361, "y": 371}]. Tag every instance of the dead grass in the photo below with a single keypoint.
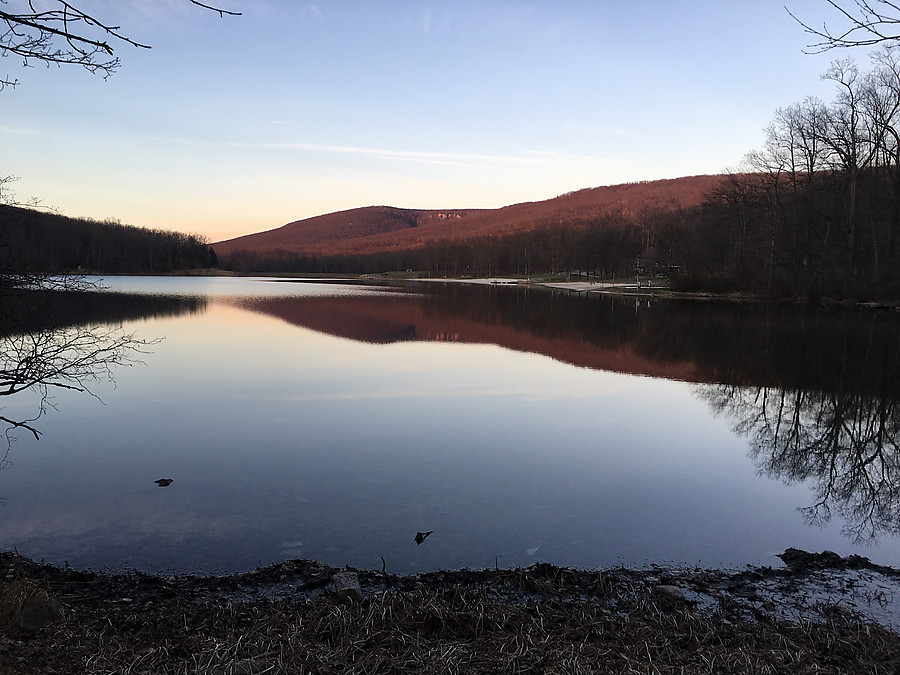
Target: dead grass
[
  {"x": 537, "y": 620},
  {"x": 14, "y": 594}
]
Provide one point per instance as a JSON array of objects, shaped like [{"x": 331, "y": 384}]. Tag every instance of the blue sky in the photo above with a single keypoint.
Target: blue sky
[{"x": 241, "y": 124}]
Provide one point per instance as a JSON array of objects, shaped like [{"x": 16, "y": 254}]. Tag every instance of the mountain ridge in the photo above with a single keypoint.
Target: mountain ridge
[{"x": 371, "y": 229}]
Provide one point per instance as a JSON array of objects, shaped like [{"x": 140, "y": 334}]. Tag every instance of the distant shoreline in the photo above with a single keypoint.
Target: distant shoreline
[
  {"x": 661, "y": 291},
  {"x": 650, "y": 288}
]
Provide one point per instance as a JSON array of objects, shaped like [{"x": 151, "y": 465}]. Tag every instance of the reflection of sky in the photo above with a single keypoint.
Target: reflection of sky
[
  {"x": 288, "y": 443},
  {"x": 224, "y": 287}
]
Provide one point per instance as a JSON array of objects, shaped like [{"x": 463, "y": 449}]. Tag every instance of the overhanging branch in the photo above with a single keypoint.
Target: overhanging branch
[
  {"x": 67, "y": 35},
  {"x": 870, "y": 22}
]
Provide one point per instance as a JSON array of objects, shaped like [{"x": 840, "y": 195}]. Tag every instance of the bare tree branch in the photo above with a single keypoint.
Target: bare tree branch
[
  {"x": 13, "y": 424},
  {"x": 66, "y": 35},
  {"x": 69, "y": 358},
  {"x": 870, "y": 22},
  {"x": 222, "y": 12},
  {"x": 8, "y": 196}
]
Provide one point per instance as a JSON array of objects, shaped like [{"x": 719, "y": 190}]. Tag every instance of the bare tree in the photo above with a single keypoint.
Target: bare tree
[
  {"x": 883, "y": 102},
  {"x": 56, "y": 31},
  {"x": 866, "y": 23},
  {"x": 848, "y": 138}
]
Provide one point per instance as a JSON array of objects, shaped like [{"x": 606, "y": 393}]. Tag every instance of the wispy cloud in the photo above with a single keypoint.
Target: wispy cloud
[
  {"x": 454, "y": 158},
  {"x": 461, "y": 159},
  {"x": 530, "y": 158},
  {"x": 18, "y": 131}
]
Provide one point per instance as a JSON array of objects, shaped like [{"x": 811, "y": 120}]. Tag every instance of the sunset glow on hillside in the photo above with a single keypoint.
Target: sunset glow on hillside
[{"x": 385, "y": 228}]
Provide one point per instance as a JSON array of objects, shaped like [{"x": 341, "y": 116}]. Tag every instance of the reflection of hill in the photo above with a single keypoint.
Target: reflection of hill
[
  {"x": 404, "y": 316},
  {"x": 787, "y": 346},
  {"x": 31, "y": 311}
]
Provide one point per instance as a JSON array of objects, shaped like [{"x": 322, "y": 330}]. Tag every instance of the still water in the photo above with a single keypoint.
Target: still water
[{"x": 333, "y": 421}]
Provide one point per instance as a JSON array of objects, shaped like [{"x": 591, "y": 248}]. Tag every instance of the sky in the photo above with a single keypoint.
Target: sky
[{"x": 234, "y": 125}]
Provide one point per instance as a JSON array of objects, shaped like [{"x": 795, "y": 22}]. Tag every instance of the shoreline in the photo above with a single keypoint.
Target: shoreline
[
  {"x": 820, "y": 613},
  {"x": 662, "y": 291},
  {"x": 605, "y": 287}
]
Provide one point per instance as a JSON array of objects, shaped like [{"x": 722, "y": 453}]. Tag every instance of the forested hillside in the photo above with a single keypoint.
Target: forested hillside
[
  {"x": 607, "y": 230},
  {"x": 34, "y": 241},
  {"x": 379, "y": 229}
]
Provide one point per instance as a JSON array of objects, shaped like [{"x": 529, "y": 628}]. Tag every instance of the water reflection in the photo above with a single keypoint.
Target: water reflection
[
  {"x": 53, "y": 341},
  {"x": 586, "y": 332},
  {"x": 844, "y": 444},
  {"x": 815, "y": 390},
  {"x": 335, "y": 423},
  {"x": 748, "y": 344}
]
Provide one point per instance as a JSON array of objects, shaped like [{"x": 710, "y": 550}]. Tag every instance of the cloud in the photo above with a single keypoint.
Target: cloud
[
  {"x": 18, "y": 131},
  {"x": 404, "y": 155},
  {"x": 382, "y": 153},
  {"x": 531, "y": 158}
]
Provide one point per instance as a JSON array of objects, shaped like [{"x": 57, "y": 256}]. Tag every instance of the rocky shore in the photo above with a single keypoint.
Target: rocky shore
[{"x": 820, "y": 613}]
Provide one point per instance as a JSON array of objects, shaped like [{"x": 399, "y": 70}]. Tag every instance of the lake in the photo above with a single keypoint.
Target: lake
[{"x": 334, "y": 421}]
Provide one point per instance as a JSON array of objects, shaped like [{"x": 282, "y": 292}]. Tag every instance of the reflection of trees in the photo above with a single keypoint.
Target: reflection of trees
[
  {"x": 846, "y": 445},
  {"x": 52, "y": 341},
  {"x": 64, "y": 358}
]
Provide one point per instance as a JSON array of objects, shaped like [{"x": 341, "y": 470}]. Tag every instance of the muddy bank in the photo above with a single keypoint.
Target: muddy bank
[{"x": 820, "y": 613}]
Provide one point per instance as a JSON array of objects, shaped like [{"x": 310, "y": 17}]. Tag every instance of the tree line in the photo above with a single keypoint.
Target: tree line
[
  {"x": 816, "y": 211},
  {"x": 33, "y": 241},
  {"x": 605, "y": 245}
]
